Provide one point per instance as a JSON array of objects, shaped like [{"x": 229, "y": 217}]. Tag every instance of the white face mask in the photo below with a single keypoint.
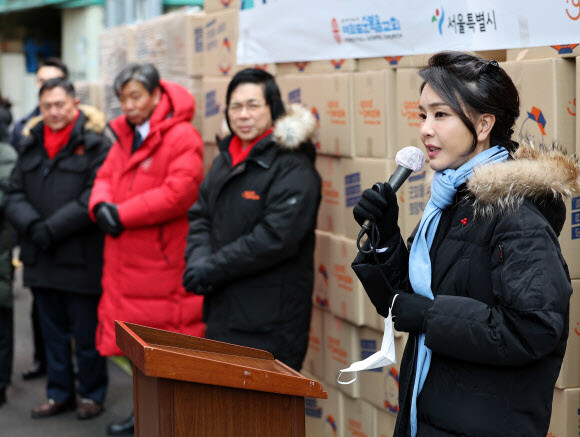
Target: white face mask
[{"x": 384, "y": 357}]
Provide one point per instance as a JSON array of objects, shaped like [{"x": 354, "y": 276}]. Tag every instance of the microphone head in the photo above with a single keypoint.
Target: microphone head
[{"x": 411, "y": 158}]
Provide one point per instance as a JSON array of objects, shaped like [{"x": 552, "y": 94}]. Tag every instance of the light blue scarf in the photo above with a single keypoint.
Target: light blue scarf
[{"x": 443, "y": 189}]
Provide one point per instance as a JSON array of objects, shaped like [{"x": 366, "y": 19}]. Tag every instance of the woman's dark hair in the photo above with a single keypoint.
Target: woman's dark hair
[
  {"x": 470, "y": 86},
  {"x": 5, "y": 102},
  {"x": 146, "y": 74},
  {"x": 271, "y": 90},
  {"x": 57, "y": 82}
]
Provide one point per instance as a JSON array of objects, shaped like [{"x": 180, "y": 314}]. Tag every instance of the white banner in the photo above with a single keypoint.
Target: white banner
[{"x": 308, "y": 30}]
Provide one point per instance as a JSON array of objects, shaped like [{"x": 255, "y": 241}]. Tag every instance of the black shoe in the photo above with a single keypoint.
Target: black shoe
[
  {"x": 124, "y": 427},
  {"x": 2, "y": 397},
  {"x": 36, "y": 370}
]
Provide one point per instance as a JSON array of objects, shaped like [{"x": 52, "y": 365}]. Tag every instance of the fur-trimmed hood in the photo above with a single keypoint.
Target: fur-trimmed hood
[
  {"x": 536, "y": 173},
  {"x": 291, "y": 130},
  {"x": 95, "y": 122}
]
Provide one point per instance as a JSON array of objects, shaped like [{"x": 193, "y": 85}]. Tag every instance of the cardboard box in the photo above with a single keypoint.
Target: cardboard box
[
  {"x": 547, "y": 89},
  {"x": 360, "y": 174},
  {"x": 221, "y": 39},
  {"x": 380, "y": 387},
  {"x": 322, "y": 270},
  {"x": 210, "y": 152},
  {"x": 314, "y": 360},
  {"x": 413, "y": 196},
  {"x": 195, "y": 87},
  {"x": 330, "y": 213},
  {"x": 330, "y": 66},
  {"x": 348, "y": 299},
  {"x": 336, "y": 119},
  {"x": 555, "y": 51},
  {"x": 110, "y": 104},
  {"x": 117, "y": 48},
  {"x": 570, "y": 237},
  {"x": 565, "y": 421},
  {"x": 89, "y": 93},
  {"x": 185, "y": 49},
  {"x": 153, "y": 43},
  {"x": 324, "y": 416},
  {"x": 573, "y": 108},
  {"x": 213, "y": 107},
  {"x": 269, "y": 68},
  {"x": 375, "y": 114},
  {"x": 570, "y": 372},
  {"x": 359, "y": 418},
  {"x": 305, "y": 90},
  {"x": 341, "y": 349},
  {"x": 418, "y": 61},
  {"x": 408, "y": 121},
  {"x": 221, "y": 5},
  {"x": 385, "y": 424}
]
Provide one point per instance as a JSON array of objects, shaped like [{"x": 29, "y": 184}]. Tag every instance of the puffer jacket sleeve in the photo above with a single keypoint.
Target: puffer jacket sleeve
[
  {"x": 532, "y": 291},
  {"x": 292, "y": 204},
  {"x": 179, "y": 189},
  {"x": 7, "y": 161},
  {"x": 198, "y": 237},
  {"x": 72, "y": 216},
  {"x": 19, "y": 211},
  {"x": 102, "y": 191},
  {"x": 386, "y": 275}
]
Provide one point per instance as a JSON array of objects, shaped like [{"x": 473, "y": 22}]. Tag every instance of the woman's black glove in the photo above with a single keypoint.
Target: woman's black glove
[
  {"x": 40, "y": 235},
  {"x": 108, "y": 219},
  {"x": 195, "y": 278},
  {"x": 379, "y": 206},
  {"x": 409, "y": 311}
]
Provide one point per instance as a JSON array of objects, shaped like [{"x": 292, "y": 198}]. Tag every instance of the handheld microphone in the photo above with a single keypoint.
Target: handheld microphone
[{"x": 409, "y": 160}]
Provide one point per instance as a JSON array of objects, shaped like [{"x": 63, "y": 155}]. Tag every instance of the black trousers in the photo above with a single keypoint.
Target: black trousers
[
  {"x": 64, "y": 315},
  {"x": 38, "y": 354},
  {"x": 6, "y": 345}
]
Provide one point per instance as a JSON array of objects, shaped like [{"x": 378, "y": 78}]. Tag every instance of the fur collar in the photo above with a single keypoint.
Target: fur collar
[
  {"x": 95, "y": 120},
  {"x": 536, "y": 173},
  {"x": 297, "y": 126}
]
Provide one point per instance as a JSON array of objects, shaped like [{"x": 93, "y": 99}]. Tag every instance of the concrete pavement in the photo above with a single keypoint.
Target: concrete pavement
[{"x": 22, "y": 395}]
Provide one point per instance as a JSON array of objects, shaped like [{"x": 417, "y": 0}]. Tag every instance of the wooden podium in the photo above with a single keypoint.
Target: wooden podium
[{"x": 189, "y": 386}]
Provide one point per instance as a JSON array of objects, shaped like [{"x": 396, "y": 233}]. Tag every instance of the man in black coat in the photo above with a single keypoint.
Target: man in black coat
[
  {"x": 61, "y": 249},
  {"x": 251, "y": 239},
  {"x": 49, "y": 68}
]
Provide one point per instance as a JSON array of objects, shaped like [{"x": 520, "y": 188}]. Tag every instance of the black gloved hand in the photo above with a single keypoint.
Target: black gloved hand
[
  {"x": 108, "y": 219},
  {"x": 195, "y": 279},
  {"x": 40, "y": 235},
  {"x": 381, "y": 208},
  {"x": 409, "y": 311}
]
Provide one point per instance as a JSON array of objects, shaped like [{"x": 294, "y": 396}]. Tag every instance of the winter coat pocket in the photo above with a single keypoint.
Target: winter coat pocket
[{"x": 254, "y": 307}]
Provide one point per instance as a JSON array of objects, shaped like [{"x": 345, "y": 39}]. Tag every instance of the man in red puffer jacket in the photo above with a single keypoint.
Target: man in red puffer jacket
[{"x": 140, "y": 199}]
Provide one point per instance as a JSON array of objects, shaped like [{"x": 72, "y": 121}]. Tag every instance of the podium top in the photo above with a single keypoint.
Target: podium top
[{"x": 170, "y": 355}]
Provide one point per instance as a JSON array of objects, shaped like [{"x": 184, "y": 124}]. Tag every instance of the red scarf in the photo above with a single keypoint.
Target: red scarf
[
  {"x": 54, "y": 141},
  {"x": 239, "y": 154}
]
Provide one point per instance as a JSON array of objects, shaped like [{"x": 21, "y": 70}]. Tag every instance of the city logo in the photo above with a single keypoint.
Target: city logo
[
  {"x": 301, "y": 65},
  {"x": 393, "y": 60},
  {"x": 226, "y": 3},
  {"x": 227, "y": 44},
  {"x": 330, "y": 420},
  {"x": 322, "y": 270},
  {"x": 439, "y": 17},
  {"x": 317, "y": 116},
  {"x": 575, "y": 13},
  {"x": 337, "y": 64},
  {"x": 565, "y": 48},
  {"x": 335, "y": 30},
  {"x": 392, "y": 391},
  {"x": 536, "y": 115},
  {"x": 224, "y": 70}
]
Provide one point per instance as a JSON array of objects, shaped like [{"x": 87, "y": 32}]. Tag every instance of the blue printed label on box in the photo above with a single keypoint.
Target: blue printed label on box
[
  {"x": 576, "y": 218},
  {"x": 295, "y": 96},
  {"x": 312, "y": 409},
  {"x": 576, "y": 203},
  {"x": 575, "y": 232},
  {"x": 352, "y": 189},
  {"x": 367, "y": 348}
]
